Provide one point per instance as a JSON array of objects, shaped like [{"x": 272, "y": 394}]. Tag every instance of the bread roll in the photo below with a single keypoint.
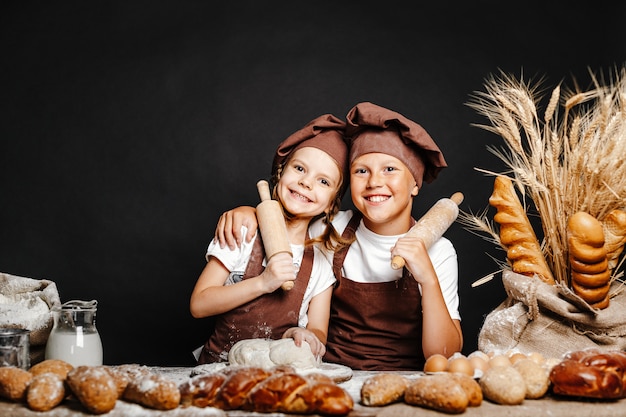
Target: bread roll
[
  {"x": 535, "y": 376},
  {"x": 153, "y": 391},
  {"x": 516, "y": 233},
  {"x": 590, "y": 274},
  {"x": 614, "y": 226},
  {"x": 438, "y": 392},
  {"x": 382, "y": 389},
  {"x": 94, "y": 387},
  {"x": 14, "y": 383},
  {"x": 46, "y": 391},
  {"x": 503, "y": 385},
  {"x": 57, "y": 366}
]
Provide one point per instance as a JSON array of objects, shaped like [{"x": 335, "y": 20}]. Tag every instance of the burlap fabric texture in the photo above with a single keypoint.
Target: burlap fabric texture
[
  {"x": 27, "y": 303},
  {"x": 551, "y": 320}
]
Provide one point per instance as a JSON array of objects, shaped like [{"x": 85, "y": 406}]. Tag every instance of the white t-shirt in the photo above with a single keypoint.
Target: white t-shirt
[
  {"x": 369, "y": 259},
  {"x": 236, "y": 262}
]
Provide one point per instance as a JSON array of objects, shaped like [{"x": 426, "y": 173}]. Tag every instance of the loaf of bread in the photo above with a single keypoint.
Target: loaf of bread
[
  {"x": 382, "y": 389},
  {"x": 153, "y": 391},
  {"x": 56, "y": 366},
  {"x": 614, "y": 226},
  {"x": 257, "y": 389},
  {"x": 447, "y": 392},
  {"x": 14, "y": 383},
  {"x": 516, "y": 233},
  {"x": 94, "y": 387},
  {"x": 437, "y": 392},
  {"x": 590, "y": 273},
  {"x": 45, "y": 391},
  {"x": 591, "y": 374}
]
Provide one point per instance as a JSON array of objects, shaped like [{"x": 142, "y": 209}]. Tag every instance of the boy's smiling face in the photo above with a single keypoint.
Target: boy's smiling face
[{"x": 382, "y": 189}]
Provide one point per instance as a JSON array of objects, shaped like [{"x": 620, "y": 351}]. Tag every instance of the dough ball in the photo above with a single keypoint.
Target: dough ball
[{"x": 263, "y": 353}]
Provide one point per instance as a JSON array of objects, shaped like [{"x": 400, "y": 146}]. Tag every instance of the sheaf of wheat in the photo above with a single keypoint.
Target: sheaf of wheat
[{"x": 565, "y": 158}]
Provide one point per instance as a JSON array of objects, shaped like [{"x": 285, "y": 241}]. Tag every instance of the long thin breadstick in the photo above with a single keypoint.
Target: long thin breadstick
[{"x": 432, "y": 225}]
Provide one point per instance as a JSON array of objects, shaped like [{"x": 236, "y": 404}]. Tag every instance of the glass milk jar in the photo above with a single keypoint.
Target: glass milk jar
[{"x": 74, "y": 337}]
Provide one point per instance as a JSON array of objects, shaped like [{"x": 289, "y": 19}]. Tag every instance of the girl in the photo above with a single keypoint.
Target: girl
[
  {"x": 381, "y": 318},
  {"x": 242, "y": 289}
]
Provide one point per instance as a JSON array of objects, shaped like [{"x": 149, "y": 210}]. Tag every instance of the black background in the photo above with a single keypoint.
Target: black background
[{"x": 128, "y": 127}]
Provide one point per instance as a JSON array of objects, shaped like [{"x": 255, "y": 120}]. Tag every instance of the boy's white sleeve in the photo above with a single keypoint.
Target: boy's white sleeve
[{"x": 445, "y": 261}]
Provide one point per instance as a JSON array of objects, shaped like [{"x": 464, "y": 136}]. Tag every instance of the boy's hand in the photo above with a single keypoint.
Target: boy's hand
[{"x": 228, "y": 229}]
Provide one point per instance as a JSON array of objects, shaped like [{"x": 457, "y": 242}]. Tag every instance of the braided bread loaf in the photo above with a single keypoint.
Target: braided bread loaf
[
  {"x": 590, "y": 273},
  {"x": 516, "y": 233},
  {"x": 278, "y": 389},
  {"x": 591, "y": 373}
]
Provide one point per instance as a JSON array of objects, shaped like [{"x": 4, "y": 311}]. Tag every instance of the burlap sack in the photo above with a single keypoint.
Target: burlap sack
[
  {"x": 551, "y": 320},
  {"x": 27, "y": 303}
]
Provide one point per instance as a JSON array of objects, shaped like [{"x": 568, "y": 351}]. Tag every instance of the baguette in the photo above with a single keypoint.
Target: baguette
[
  {"x": 256, "y": 389},
  {"x": 590, "y": 273},
  {"x": 516, "y": 233}
]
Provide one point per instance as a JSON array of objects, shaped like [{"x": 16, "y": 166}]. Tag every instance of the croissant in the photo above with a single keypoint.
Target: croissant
[
  {"x": 516, "y": 233},
  {"x": 589, "y": 265},
  {"x": 614, "y": 226},
  {"x": 279, "y": 389}
]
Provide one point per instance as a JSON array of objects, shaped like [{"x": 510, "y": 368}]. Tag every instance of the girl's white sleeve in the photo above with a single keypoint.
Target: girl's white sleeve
[{"x": 234, "y": 260}]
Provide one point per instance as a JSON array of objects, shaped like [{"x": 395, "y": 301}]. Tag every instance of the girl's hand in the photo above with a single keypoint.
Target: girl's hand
[
  {"x": 279, "y": 269},
  {"x": 416, "y": 258},
  {"x": 298, "y": 334}
]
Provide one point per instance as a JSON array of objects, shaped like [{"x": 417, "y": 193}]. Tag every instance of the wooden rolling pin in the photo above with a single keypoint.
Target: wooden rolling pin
[
  {"x": 433, "y": 224},
  {"x": 272, "y": 226}
]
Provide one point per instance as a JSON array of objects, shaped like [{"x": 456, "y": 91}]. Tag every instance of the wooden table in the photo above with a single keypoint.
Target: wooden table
[{"x": 548, "y": 406}]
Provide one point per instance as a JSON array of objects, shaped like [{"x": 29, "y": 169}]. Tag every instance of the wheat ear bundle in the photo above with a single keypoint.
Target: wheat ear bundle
[{"x": 566, "y": 159}]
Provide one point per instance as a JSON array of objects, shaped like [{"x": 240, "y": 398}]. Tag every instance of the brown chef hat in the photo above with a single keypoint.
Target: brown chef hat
[
  {"x": 325, "y": 132},
  {"x": 371, "y": 128}
]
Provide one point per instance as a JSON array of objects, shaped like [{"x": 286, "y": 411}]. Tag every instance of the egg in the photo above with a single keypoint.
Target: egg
[
  {"x": 517, "y": 356},
  {"x": 479, "y": 362},
  {"x": 499, "y": 360},
  {"x": 436, "y": 363},
  {"x": 480, "y": 354},
  {"x": 537, "y": 357},
  {"x": 461, "y": 365}
]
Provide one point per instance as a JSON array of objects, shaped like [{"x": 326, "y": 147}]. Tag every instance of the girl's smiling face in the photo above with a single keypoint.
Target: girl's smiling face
[
  {"x": 309, "y": 183},
  {"x": 382, "y": 189}
]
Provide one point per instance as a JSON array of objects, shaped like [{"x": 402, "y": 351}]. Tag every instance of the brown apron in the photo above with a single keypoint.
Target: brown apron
[
  {"x": 374, "y": 326},
  {"x": 266, "y": 317}
]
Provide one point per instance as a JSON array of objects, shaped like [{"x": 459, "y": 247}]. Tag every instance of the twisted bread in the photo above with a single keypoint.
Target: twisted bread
[
  {"x": 516, "y": 233},
  {"x": 614, "y": 235},
  {"x": 590, "y": 274},
  {"x": 592, "y": 374},
  {"x": 278, "y": 389}
]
